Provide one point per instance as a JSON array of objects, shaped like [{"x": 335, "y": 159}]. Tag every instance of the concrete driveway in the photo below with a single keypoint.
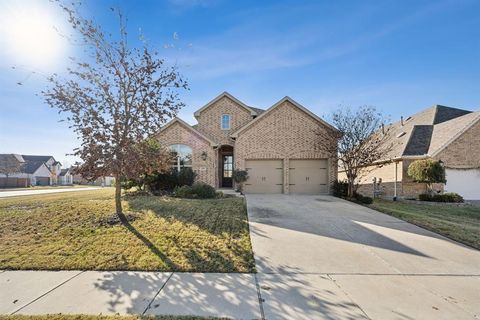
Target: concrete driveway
[{"x": 320, "y": 257}]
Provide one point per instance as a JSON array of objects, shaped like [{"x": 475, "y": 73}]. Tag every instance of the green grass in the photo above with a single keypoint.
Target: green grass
[
  {"x": 460, "y": 223},
  {"x": 71, "y": 231},
  {"x": 89, "y": 317}
]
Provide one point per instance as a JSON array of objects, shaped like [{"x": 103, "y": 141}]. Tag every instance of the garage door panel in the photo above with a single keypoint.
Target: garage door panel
[
  {"x": 264, "y": 176},
  {"x": 308, "y": 176}
]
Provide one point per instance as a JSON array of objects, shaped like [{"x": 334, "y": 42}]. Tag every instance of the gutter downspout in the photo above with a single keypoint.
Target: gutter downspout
[{"x": 395, "y": 183}]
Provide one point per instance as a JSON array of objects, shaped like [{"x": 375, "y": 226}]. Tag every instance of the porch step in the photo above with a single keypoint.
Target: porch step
[{"x": 230, "y": 192}]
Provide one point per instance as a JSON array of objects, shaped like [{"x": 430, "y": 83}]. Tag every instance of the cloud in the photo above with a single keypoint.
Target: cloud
[{"x": 287, "y": 38}]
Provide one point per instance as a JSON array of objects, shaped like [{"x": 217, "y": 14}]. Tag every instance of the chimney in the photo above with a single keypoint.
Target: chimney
[
  {"x": 383, "y": 128},
  {"x": 401, "y": 120}
]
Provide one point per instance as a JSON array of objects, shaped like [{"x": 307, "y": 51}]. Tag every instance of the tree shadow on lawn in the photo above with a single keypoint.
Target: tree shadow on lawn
[
  {"x": 198, "y": 258},
  {"x": 216, "y": 216},
  {"x": 171, "y": 265}
]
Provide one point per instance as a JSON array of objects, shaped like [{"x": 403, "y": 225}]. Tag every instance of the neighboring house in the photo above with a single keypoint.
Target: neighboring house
[
  {"x": 29, "y": 171},
  {"x": 65, "y": 177},
  {"x": 279, "y": 147},
  {"x": 442, "y": 133},
  {"x": 106, "y": 181},
  {"x": 53, "y": 165}
]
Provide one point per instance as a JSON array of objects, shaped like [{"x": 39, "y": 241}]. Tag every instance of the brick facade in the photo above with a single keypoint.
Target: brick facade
[
  {"x": 286, "y": 132},
  {"x": 179, "y": 134},
  {"x": 209, "y": 120},
  {"x": 464, "y": 152}
]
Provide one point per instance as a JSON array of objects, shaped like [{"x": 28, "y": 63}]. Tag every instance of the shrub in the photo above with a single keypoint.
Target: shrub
[
  {"x": 363, "y": 199},
  {"x": 198, "y": 190},
  {"x": 446, "y": 197},
  {"x": 240, "y": 176},
  {"x": 168, "y": 181},
  {"x": 340, "y": 189},
  {"x": 427, "y": 171}
]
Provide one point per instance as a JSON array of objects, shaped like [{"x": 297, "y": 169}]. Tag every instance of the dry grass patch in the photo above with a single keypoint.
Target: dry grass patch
[{"x": 79, "y": 231}]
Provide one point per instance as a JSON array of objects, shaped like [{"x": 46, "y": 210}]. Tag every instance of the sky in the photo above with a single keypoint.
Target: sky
[{"x": 399, "y": 56}]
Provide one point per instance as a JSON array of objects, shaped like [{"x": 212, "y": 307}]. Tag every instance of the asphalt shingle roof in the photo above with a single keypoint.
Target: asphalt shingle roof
[{"x": 424, "y": 132}]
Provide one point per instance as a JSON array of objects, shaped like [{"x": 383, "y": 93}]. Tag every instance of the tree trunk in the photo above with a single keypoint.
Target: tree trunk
[
  {"x": 350, "y": 188},
  {"x": 118, "y": 199}
]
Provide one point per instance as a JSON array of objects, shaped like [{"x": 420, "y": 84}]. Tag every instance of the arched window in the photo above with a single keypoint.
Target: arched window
[{"x": 181, "y": 156}]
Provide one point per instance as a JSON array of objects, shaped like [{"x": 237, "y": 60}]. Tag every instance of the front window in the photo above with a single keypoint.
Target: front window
[
  {"x": 181, "y": 156},
  {"x": 225, "y": 122}
]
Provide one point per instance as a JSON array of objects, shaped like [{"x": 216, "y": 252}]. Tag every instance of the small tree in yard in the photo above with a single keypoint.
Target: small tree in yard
[
  {"x": 360, "y": 141},
  {"x": 427, "y": 171},
  {"x": 114, "y": 97}
]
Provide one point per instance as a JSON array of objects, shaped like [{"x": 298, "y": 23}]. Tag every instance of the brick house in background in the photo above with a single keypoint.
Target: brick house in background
[
  {"x": 278, "y": 147},
  {"x": 441, "y": 133}
]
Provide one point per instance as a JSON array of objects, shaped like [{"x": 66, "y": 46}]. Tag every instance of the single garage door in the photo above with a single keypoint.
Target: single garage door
[
  {"x": 308, "y": 176},
  {"x": 464, "y": 182},
  {"x": 264, "y": 176},
  {"x": 42, "y": 181}
]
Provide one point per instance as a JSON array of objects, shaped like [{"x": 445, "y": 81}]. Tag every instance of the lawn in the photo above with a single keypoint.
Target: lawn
[
  {"x": 89, "y": 317},
  {"x": 460, "y": 223},
  {"x": 78, "y": 230}
]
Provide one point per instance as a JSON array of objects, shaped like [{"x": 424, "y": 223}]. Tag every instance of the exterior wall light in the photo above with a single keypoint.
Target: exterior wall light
[{"x": 204, "y": 156}]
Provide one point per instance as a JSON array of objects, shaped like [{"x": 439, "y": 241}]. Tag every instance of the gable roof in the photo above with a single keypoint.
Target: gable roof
[
  {"x": 64, "y": 172},
  {"x": 36, "y": 158},
  {"x": 183, "y": 123},
  {"x": 447, "y": 132},
  {"x": 253, "y": 111},
  {"x": 420, "y": 133},
  {"x": 31, "y": 167},
  {"x": 293, "y": 102}
]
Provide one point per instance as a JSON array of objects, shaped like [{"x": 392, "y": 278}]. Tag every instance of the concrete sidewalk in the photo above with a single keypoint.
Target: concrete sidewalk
[
  {"x": 17, "y": 193},
  {"x": 231, "y": 295}
]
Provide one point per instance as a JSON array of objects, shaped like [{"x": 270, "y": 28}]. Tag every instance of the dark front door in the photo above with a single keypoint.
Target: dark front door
[{"x": 227, "y": 171}]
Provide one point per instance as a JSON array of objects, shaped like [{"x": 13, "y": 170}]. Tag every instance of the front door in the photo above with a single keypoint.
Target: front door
[{"x": 227, "y": 171}]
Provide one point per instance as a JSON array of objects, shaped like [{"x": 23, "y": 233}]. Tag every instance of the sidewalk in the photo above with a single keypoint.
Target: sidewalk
[
  {"x": 23, "y": 192},
  {"x": 232, "y": 295}
]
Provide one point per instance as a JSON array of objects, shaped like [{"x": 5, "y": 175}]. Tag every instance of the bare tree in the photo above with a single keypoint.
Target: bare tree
[
  {"x": 362, "y": 141},
  {"x": 9, "y": 164},
  {"x": 115, "y": 96}
]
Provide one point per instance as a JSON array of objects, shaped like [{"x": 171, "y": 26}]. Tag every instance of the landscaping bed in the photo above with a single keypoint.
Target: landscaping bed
[
  {"x": 79, "y": 231},
  {"x": 457, "y": 222}
]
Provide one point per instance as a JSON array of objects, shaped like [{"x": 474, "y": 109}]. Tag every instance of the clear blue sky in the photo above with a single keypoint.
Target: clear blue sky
[{"x": 400, "y": 56}]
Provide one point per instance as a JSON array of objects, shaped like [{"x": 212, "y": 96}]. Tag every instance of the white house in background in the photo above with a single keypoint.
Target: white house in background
[
  {"x": 53, "y": 165},
  {"x": 30, "y": 170},
  {"x": 65, "y": 177}
]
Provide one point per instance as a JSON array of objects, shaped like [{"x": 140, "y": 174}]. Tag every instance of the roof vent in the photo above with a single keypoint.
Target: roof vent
[{"x": 401, "y": 134}]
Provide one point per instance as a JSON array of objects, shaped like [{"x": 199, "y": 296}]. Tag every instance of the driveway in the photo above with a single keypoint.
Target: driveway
[
  {"x": 16, "y": 193},
  {"x": 321, "y": 257}
]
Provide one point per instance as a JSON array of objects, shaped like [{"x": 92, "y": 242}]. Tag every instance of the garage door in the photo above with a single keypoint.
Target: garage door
[
  {"x": 308, "y": 176},
  {"x": 464, "y": 182},
  {"x": 264, "y": 176},
  {"x": 42, "y": 181}
]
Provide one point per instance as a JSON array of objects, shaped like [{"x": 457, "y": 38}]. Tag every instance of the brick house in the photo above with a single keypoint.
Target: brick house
[
  {"x": 278, "y": 147},
  {"x": 441, "y": 133}
]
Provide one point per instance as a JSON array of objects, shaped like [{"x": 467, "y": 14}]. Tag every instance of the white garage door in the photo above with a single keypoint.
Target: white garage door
[
  {"x": 264, "y": 176},
  {"x": 464, "y": 182},
  {"x": 308, "y": 176}
]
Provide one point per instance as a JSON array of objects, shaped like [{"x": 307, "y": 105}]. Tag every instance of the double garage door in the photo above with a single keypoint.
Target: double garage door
[{"x": 305, "y": 176}]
